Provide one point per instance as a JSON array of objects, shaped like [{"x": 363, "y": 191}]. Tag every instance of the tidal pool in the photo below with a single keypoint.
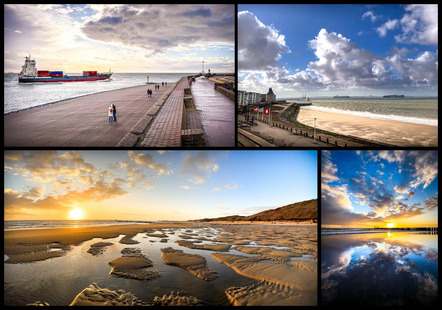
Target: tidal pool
[{"x": 379, "y": 269}]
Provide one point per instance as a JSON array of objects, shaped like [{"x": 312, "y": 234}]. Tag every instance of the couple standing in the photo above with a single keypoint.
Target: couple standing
[{"x": 112, "y": 113}]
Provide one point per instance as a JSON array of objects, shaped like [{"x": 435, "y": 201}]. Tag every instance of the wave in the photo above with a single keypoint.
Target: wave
[{"x": 390, "y": 117}]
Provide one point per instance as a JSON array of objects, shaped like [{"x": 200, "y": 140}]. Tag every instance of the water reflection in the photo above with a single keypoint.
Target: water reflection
[{"x": 395, "y": 268}]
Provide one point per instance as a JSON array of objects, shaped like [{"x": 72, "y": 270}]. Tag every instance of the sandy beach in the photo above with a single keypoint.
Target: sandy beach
[
  {"x": 180, "y": 263},
  {"x": 391, "y": 132}
]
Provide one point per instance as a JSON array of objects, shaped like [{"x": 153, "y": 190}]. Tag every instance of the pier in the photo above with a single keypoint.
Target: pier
[
  {"x": 82, "y": 121},
  {"x": 170, "y": 118},
  {"x": 217, "y": 111}
]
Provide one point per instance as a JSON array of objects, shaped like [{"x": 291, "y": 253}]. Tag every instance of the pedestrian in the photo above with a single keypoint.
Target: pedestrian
[
  {"x": 114, "y": 108},
  {"x": 162, "y": 83},
  {"x": 150, "y": 93},
  {"x": 110, "y": 113}
]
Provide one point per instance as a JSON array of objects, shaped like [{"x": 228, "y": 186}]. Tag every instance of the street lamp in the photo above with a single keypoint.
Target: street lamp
[{"x": 314, "y": 132}]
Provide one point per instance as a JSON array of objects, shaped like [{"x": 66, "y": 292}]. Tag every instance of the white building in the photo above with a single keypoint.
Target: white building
[{"x": 247, "y": 98}]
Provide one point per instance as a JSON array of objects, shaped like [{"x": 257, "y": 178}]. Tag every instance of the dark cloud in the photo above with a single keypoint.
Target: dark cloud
[
  {"x": 157, "y": 28},
  {"x": 201, "y": 12}
]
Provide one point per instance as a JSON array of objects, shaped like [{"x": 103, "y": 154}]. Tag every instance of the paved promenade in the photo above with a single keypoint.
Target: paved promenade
[
  {"x": 217, "y": 113},
  {"x": 82, "y": 121},
  {"x": 165, "y": 130}
]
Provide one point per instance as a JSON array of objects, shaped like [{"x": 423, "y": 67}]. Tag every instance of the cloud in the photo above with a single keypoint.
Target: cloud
[
  {"x": 389, "y": 25},
  {"x": 385, "y": 202},
  {"x": 146, "y": 159},
  {"x": 198, "y": 166},
  {"x": 340, "y": 63},
  {"x": 157, "y": 28},
  {"x": 259, "y": 46},
  {"x": 64, "y": 179},
  {"x": 419, "y": 25},
  {"x": 186, "y": 187},
  {"x": 371, "y": 15}
]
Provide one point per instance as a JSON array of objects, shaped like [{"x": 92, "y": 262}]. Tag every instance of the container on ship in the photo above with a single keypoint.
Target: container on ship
[{"x": 30, "y": 74}]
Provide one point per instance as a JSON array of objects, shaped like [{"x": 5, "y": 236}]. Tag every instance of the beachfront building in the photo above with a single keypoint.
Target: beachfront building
[
  {"x": 270, "y": 97},
  {"x": 248, "y": 98}
]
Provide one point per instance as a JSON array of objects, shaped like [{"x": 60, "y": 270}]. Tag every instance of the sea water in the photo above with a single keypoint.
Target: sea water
[
  {"x": 379, "y": 269},
  {"x": 418, "y": 110},
  {"x": 19, "y": 96}
]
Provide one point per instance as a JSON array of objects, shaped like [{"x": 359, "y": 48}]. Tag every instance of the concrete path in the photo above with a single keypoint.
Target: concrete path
[
  {"x": 82, "y": 121},
  {"x": 217, "y": 113}
]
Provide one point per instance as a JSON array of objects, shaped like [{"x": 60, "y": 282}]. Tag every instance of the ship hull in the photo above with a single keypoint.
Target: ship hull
[{"x": 64, "y": 79}]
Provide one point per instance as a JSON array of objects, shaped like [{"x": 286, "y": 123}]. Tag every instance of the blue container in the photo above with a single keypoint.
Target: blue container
[{"x": 57, "y": 72}]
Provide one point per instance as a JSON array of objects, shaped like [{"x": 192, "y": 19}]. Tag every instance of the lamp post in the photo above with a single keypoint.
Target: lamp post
[{"x": 314, "y": 132}]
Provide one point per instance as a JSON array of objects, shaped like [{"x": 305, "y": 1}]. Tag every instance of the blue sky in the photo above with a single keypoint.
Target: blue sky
[
  {"x": 374, "y": 188},
  {"x": 321, "y": 49},
  {"x": 124, "y": 37},
  {"x": 151, "y": 185}
]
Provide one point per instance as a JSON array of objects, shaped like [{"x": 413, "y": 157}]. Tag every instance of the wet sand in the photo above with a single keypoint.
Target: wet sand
[
  {"x": 391, "y": 132},
  {"x": 279, "y": 261}
]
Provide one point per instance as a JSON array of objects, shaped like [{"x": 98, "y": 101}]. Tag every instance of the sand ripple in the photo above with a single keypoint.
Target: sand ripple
[
  {"x": 195, "y": 264},
  {"x": 93, "y": 295}
]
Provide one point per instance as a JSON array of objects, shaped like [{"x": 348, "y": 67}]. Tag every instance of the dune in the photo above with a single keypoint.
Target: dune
[{"x": 195, "y": 264}]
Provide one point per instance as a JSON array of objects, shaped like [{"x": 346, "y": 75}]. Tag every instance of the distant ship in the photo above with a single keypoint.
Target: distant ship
[
  {"x": 30, "y": 74},
  {"x": 394, "y": 96},
  {"x": 340, "y": 97}
]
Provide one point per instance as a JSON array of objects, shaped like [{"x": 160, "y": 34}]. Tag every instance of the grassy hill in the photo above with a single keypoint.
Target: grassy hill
[{"x": 299, "y": 211}]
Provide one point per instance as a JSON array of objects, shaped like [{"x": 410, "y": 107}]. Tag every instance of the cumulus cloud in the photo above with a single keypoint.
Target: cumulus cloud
[
  {"x": 419, "y": 24},
  {"x": 340, "y": 63},
  {"x": 259, "y": 46}
]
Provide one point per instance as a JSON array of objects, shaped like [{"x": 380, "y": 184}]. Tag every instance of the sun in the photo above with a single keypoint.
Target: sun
[
  {"x": 390, "y": 225},
  {"x": 76, "y": 214}
]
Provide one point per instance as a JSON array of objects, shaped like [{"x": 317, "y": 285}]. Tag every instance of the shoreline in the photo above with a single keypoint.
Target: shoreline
[{"x": 386, "y": 131}]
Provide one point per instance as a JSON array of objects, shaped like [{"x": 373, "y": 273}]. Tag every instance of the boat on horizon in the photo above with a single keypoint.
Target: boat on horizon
[
  {"x": 394, "y": 96},
  {"x": 30, "y": 74}
]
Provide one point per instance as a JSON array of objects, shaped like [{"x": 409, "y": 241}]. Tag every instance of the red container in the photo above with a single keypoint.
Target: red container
[
  {"x": 43, "y": 73},
  {"x": 89, "y": 73}
]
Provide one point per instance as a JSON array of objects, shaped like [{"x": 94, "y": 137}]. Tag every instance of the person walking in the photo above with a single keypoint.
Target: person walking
[
  {"x": 114, "y": 108},
  {"x": 110, "y": 113}
]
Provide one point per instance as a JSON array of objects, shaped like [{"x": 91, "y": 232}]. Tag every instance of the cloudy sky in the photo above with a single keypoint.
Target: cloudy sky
[
  {"x": 338, "y": 49},
  {"x": 126, "y": 38},
  {"x": 368, "y": 188},
  {"x": 151, "y": 185}
]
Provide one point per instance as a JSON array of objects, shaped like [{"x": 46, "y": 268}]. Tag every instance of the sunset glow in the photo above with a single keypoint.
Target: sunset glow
[
  {"x": 76, "y": 214},
  {"x": 153, "y": 185},
  {"x": 382, "y": 189}
]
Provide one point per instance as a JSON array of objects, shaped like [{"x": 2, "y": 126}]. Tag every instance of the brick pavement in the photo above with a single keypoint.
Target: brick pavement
[{"x": 165, "y": 130}]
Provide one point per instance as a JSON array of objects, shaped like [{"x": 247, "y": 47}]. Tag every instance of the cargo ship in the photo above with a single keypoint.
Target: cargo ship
[
  {"x": 394, "y": 96},
  {"x": 30, "y": 74}
]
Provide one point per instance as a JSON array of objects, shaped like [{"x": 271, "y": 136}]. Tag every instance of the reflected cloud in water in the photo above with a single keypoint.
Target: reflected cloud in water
[{"x": 379, "y": 269}]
